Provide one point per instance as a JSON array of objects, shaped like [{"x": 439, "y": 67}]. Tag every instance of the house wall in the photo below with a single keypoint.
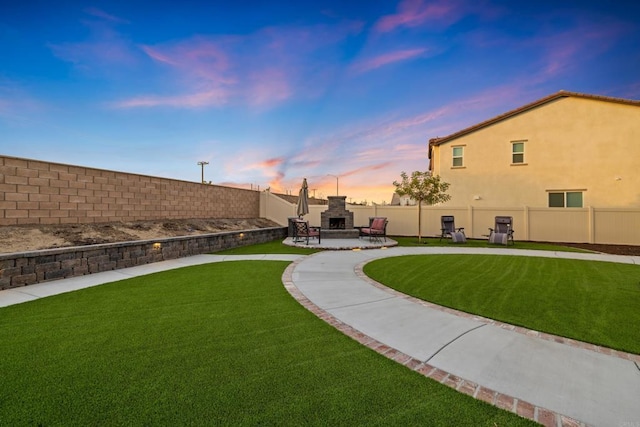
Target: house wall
[
  {"x": 37, "y": 192},
  {"x": 572, "y": 143}
]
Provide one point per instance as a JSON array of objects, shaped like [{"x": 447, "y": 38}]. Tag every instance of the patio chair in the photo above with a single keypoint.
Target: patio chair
[
  {"x": 302, "y": 231},
  {"x": 377, "y": 229},
  {"x": 503, "y": 231},
  {"x": 449, "y": 230}
]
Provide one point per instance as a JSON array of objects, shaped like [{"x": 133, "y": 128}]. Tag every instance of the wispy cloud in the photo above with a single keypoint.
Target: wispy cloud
[
  {"x": 99, "y": 13},
  {"x": 105, "y": 48},
  {"x": 261, "y": 69},
  {"x": 415, "y": 13},
  {"x": 369, "y": 64}
]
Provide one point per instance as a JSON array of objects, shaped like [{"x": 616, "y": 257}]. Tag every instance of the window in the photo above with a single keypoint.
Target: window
[
  {"x": 517, "y": 151},
  {"x": 565, "y": 199},
  {"x": 457, "y": 156}
]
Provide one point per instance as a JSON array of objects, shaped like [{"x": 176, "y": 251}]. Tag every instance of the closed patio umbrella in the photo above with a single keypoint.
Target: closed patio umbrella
[{"x": 303, "y": 199}]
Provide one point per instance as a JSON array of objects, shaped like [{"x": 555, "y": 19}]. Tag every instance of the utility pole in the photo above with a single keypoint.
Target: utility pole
[
  {"x": 202, "y": 165},
  {"x": 336, "y": 177}
]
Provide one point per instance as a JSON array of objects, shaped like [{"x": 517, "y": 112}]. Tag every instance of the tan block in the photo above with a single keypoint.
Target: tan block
[
  {"x": 77, "y": 184},
  {"x": 28, "y": 189},
  {"x": 15, "y": 179},
  {"x": 66, "y": 176},
  {"x": 40, "y": 182},
  {"x": 69, "y": 191},
  {"x": 33, "y": 164},
  {"x": 16, "y": 162},
  {"x": 60, "y": 198},
  {"x": 77, "y": 170},
  {"x": 49, "y": 190},
  {"x": 58, "y": 183},
  {"x": 7, "y": 221},
  {"x": 50, "y": 205},
  {"x": 77, "y": 199},
  {"x": 49, "y": 220},
  {"x": 58, "y": 167},
  {"x": 48, "y": 174},
  {"x": 16, "y": 214},
  {"x": 28, "y": 205},
  {"x": 38, "y": 213},
  {"x": 29, "y": 173},
  {"x": 39, "y": 197},
  {"x": 59, "y": 214},
  {"x": 17, "y": 197}
]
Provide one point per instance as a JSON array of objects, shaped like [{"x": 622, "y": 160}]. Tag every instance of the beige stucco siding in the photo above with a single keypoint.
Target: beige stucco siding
[{"x": 571, "y": 143}]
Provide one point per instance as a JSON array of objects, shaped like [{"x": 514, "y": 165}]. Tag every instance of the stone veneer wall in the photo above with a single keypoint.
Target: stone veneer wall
[
  {"x": 27, "y": 268},
  {"x": 37, "y": 192}
]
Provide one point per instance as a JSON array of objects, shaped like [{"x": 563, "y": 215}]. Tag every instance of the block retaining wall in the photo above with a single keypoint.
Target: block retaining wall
[
  {"x": 37, "y": 192},
  {"x": 27, "y": 268}
]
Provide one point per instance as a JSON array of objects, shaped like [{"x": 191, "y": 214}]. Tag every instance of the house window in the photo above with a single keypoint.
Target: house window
[
  {"x": 517, "y": 152},
  {"x": 565, "y": 199},
  {"x": 457, "y": 156}
]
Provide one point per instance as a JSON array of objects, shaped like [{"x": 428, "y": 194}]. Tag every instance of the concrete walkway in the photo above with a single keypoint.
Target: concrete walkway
[
  {"x": 523, "y": 371},
  {"x": 551, "y": 380}
]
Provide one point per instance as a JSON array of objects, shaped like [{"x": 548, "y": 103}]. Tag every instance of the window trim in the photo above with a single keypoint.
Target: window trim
[
  {"x": 564, "y": 198},
  {"x": 523, "y": 153},
  {"x": 454, "y": 157}
]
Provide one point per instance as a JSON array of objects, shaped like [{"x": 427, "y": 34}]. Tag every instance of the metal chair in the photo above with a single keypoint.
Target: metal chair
[
  {"x": 448, "y": 229},
  {"x": 503, "y": 231}
]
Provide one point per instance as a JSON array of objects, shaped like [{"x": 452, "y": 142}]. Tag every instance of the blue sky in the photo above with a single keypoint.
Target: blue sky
[{"x": 271, "y": 92}]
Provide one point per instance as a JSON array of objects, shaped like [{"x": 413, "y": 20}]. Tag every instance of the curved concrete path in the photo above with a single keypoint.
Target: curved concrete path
[{"x": 552, "y": 380}]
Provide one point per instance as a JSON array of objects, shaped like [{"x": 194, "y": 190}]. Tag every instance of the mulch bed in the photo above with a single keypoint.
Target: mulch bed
[{"x": 607, "y": 249}]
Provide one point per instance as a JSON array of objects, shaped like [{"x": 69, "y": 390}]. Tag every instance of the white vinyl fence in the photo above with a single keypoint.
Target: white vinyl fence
[{"x": 573, "y": 225}]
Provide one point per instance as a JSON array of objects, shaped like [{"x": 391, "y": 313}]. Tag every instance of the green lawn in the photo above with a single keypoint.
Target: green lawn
[
  {"x": 273, "y": 247},
  {"x": 596, "y": 302},
  {"x": 482, "y": 243},
  {"x": 217, "y": 344}
]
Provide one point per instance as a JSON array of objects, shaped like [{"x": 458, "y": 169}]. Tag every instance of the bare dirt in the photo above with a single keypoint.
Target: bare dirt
[{"x": 34, "y": 237}]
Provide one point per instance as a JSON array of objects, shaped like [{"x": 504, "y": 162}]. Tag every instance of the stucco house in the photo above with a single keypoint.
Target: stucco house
[{"x": 563, "y": 151}]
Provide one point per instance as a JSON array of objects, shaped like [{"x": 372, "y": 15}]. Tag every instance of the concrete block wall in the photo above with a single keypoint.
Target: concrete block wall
[
  {"x": 39, "y": 192},
  {"x": 27, "y": 268}
]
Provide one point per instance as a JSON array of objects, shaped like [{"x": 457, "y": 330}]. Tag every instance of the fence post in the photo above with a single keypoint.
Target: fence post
[
  {"x": 525, "y": 228},
  {"x": 592, "y": 223}
]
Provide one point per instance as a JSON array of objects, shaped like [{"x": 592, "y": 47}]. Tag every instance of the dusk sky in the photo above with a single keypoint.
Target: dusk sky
[{"x": 270, "y": 92}]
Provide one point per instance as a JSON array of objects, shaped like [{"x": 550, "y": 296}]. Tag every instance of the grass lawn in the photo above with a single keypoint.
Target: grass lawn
[
  {"x": 595, "y": 302},
  {"x": 273, "y": 247},
  {"x": 217, "y": 344},
  {"x": 482, "y": 243}
]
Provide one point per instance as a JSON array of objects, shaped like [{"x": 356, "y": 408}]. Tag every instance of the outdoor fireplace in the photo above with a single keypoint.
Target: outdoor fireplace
[{"x": 336, "y": 217}]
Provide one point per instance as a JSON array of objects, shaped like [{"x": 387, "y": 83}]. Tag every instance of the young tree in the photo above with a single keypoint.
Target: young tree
[{"x": 422, "y": 187}]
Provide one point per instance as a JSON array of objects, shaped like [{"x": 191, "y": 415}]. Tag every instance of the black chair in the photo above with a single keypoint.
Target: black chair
[
  {"x": 449, "y": 230},
  {"x": 503, "y": 231},
  {"x": 302, "y": 231}
]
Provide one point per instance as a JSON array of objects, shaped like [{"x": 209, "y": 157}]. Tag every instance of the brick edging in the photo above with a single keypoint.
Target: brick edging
[{"x": 544, "y": 416}]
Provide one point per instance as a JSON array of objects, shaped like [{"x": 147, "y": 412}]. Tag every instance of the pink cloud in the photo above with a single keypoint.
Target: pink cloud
[
  {"x": 261, "y": 69},
  {"x": 386, "y": 59},
  {"x": 196, "y": 100},
  {"x": 414, "y": 13}
]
